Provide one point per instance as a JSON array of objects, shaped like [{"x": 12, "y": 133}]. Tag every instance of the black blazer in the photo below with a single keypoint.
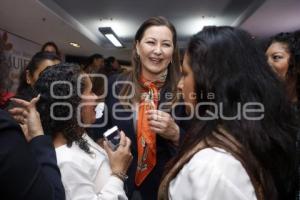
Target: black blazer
[
  {"x": 165, "y": 149},
  {"x": 27, "y": 170}
]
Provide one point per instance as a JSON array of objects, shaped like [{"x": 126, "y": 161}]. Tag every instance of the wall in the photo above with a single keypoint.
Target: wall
[{"x": 19, "y": 51}]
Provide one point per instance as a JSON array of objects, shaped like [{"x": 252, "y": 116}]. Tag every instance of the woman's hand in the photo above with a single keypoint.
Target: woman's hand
[
  {"x": 163, "y": 124},
  {"x": 120, "y": 159},
  {"x": 28, "y": 117}
]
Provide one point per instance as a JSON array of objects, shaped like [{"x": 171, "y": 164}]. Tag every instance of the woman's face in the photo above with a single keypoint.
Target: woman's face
[
  {"x": 278, "y": 56},
  {"x": 187, "y": 84},
  {"x": 31, "y": 79},
  {"x": 155, "y": 50},
  {"x": 88, "y": 102}
]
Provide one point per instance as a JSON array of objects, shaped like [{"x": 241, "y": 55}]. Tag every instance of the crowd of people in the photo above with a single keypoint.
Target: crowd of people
[{"x": 223, "y": 124}]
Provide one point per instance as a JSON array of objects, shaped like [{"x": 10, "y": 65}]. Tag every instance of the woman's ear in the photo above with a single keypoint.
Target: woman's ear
[{"x": 28, "y": 78}]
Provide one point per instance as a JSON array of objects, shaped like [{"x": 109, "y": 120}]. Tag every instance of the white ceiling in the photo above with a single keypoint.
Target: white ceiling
[
  {"x": 65, "y": 21},
  {"x": 274, "y": 16}
]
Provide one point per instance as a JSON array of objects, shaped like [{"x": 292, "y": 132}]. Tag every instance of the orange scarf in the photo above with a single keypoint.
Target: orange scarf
[{"x": 146, "y": 139}]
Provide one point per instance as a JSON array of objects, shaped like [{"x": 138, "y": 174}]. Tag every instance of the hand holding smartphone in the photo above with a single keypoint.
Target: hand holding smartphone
[
  {"x": 112, "y": 136},
  {"x": 119, "y": 157}
]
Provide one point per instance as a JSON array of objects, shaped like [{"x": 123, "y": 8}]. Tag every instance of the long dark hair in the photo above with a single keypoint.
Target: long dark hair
[
  {"x": 225, "y": 61},
  {"x": 173, "y": 68},
  {"x": 53, "y": 122}
]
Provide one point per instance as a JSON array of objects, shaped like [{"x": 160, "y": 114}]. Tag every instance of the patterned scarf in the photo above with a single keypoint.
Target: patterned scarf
[{"x": 146, "y": 139}]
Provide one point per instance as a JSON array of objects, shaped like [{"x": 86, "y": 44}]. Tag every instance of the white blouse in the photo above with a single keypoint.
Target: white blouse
[
  {"x": 87, "y": 176},
  {"x": 212, "y": 175}
]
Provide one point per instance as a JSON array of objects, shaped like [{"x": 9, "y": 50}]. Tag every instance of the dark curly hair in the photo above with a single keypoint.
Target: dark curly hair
[
  {"x": 59, "y": 101},
  {"x": 293, "y": 44}
]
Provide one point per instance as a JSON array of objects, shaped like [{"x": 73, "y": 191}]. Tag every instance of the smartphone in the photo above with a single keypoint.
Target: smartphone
[{"x": 112, "y": 136}]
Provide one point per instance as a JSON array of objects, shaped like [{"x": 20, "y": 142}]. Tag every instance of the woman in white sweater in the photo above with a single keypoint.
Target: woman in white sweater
[{"x": 241, "y": 142}]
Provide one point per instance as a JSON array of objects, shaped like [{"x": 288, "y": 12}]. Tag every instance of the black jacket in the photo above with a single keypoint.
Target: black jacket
[
  {"x": 27, "y": 170},
  {"x": 165, "y": 149}
]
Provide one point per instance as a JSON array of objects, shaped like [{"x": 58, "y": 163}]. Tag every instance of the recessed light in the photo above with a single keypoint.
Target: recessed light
[{"x": 74, "y": 44}]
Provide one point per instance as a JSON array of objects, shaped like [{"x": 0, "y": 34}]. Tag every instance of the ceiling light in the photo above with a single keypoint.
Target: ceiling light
[
  {"x": 74, "y": 44},
  {"x": 111, "y": 36}
]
